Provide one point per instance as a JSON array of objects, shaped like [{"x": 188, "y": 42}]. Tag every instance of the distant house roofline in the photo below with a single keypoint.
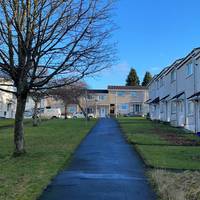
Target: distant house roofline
[
  {"x": 100, "y": 91},
  {"x": 121, "y": 87}
]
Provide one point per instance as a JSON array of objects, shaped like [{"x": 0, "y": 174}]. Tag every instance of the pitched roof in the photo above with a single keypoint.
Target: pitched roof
[{"x": 121, "y": 87}]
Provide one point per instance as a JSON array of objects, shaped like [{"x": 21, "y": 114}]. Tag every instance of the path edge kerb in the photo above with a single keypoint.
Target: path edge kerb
[{"x": 68, "y": 161}]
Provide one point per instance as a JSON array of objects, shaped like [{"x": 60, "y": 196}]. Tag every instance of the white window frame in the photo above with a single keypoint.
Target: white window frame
[
  {"x": 134, "y": 94},
  {"x": 173, "y": 75},
  {"x": 102, "y": 97},
  {"x": 121, "y": 93},
  {"x": 189, "y": 69}
]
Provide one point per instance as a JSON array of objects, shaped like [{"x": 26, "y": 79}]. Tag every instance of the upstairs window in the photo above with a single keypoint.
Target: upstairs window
[
  {"x": 157, "y": 83},
  {"x": 161, "y": 82},
  {"x": 102, "y": 97},
  {"x": 189, "y": 69},
  {"x": 121, "y": 93},
  {"x": 90, "y": 97},
  {"x": 133, "y": 94},
  {"x": 173, "y": 75}
]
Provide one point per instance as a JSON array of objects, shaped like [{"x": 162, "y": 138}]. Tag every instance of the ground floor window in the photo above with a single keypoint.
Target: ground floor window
[
  {"x": 71, "y": 109},
  {"x": 137, "y": 108},
  {"x": 90, "y": 110},
  {"x": 123, "y": 106}
]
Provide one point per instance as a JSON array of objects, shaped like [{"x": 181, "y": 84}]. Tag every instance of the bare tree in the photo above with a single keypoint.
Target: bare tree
[
  {"x": 37, "y": 96},
  {"x": 41, "y": 40},
  {"x": 71, "y": 95}
]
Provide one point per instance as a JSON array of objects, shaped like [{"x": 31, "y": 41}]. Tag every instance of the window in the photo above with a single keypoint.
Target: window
[
  {"x": 90, "y": 96},
  {"x": 90, "y": 110},
  {"x": 173, "y": 107},
  {"x": 161, "y": 82},
  {"x": 121, "y": 93},
  {"x": 138, "y": 108},
  {"x": 71, "y": 109},
  {"x": 1, "y": 105},
  {"x": 133, "y": 94},
  {"x": 190, "y": 108},
  {"x": 9, "y": 106},
  {"x": 173, "y": 75},
  {"x": 102, "y": 97},
  {"x": 189, "y": 69},
  {"x": 157, "y": 82},
  {"x": 124, "y": 106}
]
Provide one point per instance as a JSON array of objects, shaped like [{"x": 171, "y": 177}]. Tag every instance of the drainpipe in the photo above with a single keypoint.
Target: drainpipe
[
  {"x": 196, "y": 102},
  {"x": 116, "y": 109},
  {"x": 176, "y": 94}
]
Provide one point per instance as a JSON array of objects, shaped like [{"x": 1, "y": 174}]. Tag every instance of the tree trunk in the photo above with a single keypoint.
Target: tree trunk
[
  {"x": 83, "y": 111},
  {"x": 35, "y": 116},
  {"x": 19, "y": 127}
]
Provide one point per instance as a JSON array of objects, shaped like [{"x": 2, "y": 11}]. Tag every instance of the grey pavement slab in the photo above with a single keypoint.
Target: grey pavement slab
[{"x": 104, "y": 167}]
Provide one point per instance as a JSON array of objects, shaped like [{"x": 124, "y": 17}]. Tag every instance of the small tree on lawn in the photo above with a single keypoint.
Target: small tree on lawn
[
  {"x": 147, "y": 79},
  {"x": 36, "y": 96},
  {"x": 132, "y": 79},
  {"x": 70, "y": 95},
  {"x": 51, "y": 39}
]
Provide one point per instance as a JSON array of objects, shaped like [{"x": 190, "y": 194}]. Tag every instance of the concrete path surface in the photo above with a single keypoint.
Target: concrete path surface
[{"x": 104, "y": 167}]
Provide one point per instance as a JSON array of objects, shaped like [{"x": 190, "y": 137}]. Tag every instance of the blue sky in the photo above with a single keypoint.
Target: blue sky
[{"x": 151, "y": 35}]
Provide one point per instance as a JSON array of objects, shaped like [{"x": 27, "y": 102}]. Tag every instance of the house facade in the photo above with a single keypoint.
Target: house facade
[
  {"x": 7, "y": 100},
  {"x": 174, "y": 94},
  {"x": 118, "y": 100}
]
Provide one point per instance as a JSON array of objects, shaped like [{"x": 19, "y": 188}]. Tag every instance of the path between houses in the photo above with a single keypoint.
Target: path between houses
[{"x": 104, "y": 167}]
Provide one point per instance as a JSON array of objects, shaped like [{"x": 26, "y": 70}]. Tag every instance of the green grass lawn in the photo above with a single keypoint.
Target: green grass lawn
[
  {"x": 10, "y": 122},
  {"x": 49, "y": 148},
  {"x": 161, "y": 145},
  {"x": 6, "y": 122}
]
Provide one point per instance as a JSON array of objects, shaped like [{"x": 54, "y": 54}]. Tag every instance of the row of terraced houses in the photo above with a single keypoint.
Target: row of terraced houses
[
  {"x": 174, "y": 94},
  {"x": 113, "y": 101}
]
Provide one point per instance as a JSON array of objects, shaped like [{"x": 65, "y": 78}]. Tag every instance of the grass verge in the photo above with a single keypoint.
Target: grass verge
[
  {"x": 162, "y": 146},
  {"x": 165, "y": 148},
  {"x": 49, "y": 148}
]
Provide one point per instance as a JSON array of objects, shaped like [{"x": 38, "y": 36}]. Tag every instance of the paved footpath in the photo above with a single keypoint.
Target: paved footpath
[{"x": 104, "y": 167}]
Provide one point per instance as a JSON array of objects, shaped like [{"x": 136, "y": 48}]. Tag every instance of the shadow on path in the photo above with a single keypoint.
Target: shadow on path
[{"x": 104, "y": 167}]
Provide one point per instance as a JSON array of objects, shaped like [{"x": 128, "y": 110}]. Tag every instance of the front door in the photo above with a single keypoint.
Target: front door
[
  {"x": 181, "y": 115},
  {"x": 102, "y": 112}
]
